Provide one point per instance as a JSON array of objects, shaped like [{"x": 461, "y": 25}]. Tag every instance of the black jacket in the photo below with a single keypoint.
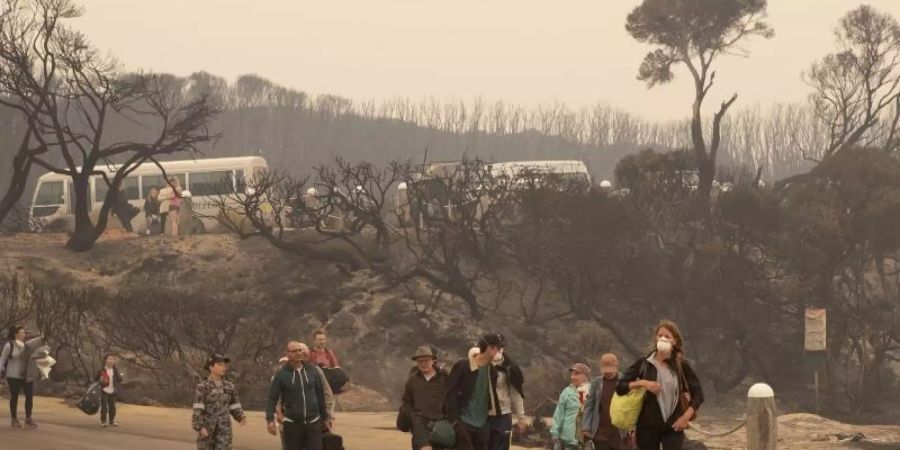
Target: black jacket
[
  {"x": 117, "y": 378},
  {"x": 515, "y": 376},
  {"x": 459, "y": 389},
  {"x": 120, "y": 206},
  {"x": 151, "y": 207},
  {"x": 302, "y": 395},
  {"x": 651, "y": 416}
]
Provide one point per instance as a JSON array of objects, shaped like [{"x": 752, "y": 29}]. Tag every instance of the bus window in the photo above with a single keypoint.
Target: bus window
[
  {"x": 130, "y": 185},
  {"x": 157, "y": 181},
  {"x": 211, "y": 183}
]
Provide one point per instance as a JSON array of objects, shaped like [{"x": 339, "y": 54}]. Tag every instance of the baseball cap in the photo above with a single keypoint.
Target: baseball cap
[
  {"x": 494, "y": 340},
  {"x": 581, "y": 368},
  {"x": 214, "y": 359}
]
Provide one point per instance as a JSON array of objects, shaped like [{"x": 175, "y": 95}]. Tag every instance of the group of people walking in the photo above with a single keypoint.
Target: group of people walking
[
  {"x": 475, "y": 405},
  {"x": 481, "y": 399},
  {"x": 299, "y": 404}
]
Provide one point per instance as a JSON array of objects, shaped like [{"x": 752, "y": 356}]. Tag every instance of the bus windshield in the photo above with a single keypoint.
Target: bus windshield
[{"x": 50, "y": 193}]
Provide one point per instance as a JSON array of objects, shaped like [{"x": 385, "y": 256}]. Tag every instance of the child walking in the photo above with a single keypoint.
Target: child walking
[{"x": 110, "y": 378}]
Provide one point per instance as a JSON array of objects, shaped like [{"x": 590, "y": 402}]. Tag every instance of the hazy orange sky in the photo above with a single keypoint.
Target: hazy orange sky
[{"x": 518, "y": 51}]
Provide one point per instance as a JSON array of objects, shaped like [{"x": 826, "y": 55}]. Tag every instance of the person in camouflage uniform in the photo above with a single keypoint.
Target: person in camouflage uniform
[{"x": 215, "y": 400}]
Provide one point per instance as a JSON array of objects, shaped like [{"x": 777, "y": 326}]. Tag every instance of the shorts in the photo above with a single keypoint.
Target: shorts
[{"x": 421, "y": 432}]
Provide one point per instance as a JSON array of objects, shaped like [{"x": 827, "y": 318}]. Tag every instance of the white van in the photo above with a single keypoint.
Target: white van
[{"x": 206, "y": 179}]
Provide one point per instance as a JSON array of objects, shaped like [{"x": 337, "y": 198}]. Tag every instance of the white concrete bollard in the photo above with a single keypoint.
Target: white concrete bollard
[{"x": 761, "y": 418}]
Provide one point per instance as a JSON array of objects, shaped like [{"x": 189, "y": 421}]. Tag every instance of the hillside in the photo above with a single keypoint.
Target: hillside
[
  {"x": 372, "y": 331},
  {"x": 300, "y": 296}
]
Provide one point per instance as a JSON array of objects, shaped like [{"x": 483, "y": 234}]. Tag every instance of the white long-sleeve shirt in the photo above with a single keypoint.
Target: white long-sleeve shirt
[{"x": 511, "y": 401}]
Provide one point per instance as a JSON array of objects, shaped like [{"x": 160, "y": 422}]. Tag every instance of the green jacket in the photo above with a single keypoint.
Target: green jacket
[
  {"x": 565, "y": 419},
  {"x": 301, "y": 392}
]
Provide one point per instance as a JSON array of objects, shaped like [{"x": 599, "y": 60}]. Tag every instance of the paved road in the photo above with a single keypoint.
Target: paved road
[{"x": 146, "y": 428}]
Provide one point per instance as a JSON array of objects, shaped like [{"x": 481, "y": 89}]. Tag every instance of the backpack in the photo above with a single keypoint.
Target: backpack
[{"x": 336, "y": 378}]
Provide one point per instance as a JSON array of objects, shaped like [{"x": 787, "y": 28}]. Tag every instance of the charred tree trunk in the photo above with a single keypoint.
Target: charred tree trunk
[
  {"x": 85, "y": 235},
  {"x": 21, "y": 167}
]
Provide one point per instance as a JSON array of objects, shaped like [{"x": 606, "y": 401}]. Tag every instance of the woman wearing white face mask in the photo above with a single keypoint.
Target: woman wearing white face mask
[{"x": 673, "y": 394}]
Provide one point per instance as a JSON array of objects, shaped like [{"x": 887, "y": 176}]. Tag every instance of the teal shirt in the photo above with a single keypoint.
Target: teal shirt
[
  {"x": 565, "y": 418},
  {"x": 476, "y": 412}
]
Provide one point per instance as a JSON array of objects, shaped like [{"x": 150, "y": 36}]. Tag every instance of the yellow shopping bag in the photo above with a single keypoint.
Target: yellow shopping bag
[{"x": 625, "y": 409}]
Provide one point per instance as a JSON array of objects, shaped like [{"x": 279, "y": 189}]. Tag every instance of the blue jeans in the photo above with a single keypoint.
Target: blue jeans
[{"x": 501, "y": 432}]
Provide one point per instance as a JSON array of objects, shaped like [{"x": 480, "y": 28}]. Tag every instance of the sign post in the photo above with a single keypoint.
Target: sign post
[{"x": 815, "y": 341}]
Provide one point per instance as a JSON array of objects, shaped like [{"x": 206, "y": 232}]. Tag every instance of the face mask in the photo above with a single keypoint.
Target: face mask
[
  {"x": 664, "y": 346},
  {"x": 498, "y": 358}
]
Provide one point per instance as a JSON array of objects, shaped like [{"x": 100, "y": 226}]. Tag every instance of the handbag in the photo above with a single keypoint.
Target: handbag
[
  {"x": 684, "y": 398},
  {"x": 624, "y": 410}
]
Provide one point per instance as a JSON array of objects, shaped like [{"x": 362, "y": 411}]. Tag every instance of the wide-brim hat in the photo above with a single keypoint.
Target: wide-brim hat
[{"x": 424, "y": 352}]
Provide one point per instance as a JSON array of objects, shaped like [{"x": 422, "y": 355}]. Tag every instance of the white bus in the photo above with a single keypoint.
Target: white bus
[
  {"x": 204, "y": 178},
  {"x": 431, "y": 182},
  {"x": 573, "y": 170}
]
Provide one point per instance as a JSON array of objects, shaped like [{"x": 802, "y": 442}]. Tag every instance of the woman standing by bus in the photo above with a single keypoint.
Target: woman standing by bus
[
  {"x": 169, "y": 206},
  {"x": 151, "y": 210},
  {"x": 674, "y": 393}
]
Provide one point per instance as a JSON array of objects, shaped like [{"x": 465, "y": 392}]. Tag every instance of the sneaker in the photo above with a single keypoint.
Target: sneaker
[
  {"x": 16, "y": 423},
  {"x": 29, "y": 423},
  {"x": 115, "y": 424},
  {"x": 103, "y": 425}
]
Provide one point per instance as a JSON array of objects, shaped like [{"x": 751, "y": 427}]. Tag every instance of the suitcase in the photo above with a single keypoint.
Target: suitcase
[
  {"x": 90, "y": 403},
  {"x": 331, "y": 441}
]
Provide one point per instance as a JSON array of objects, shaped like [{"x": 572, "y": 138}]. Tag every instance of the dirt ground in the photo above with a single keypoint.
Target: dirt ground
[
  {"x": 154, "y": 428},
  {"x": 149, "y": 428},
  {"x": 798, "y": 431}
]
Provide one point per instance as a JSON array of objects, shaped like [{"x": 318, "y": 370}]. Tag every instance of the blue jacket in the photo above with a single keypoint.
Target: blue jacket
[{"x": 565, "y": 426}]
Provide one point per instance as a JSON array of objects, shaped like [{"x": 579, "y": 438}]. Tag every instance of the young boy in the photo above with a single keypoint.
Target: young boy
[{"x": 110, "y": 378}]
